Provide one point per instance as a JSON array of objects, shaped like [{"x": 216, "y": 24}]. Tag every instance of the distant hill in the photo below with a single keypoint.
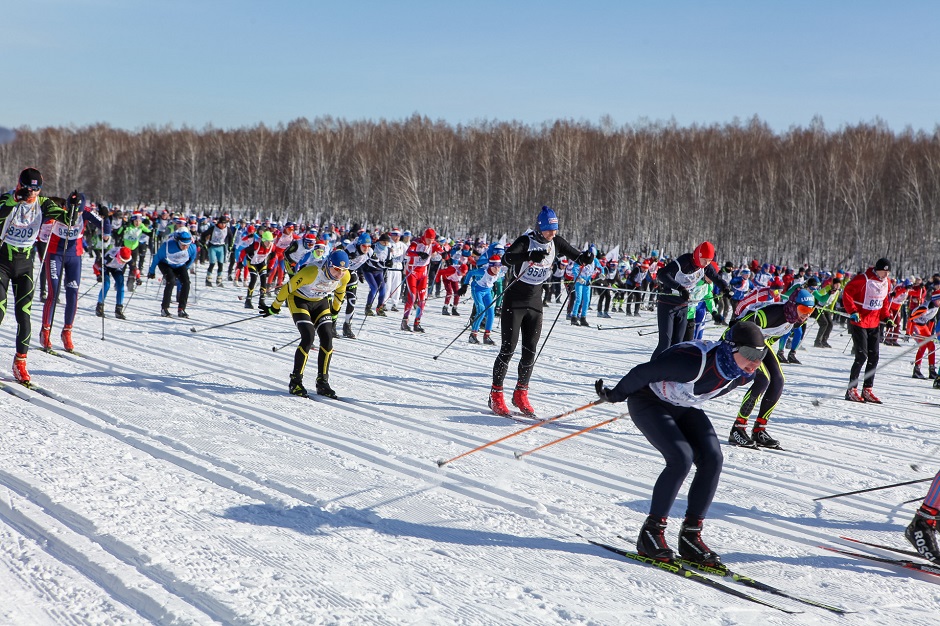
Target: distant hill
[{"x": 6, "y": 135}]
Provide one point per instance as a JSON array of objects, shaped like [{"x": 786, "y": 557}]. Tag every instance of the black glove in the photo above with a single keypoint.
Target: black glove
[
  {"x": 717, "y": 317},
  {"x": 601, "y": 390},
  {"x": 585, "y": 258},
  {"x": 268, "y": 310},
  {"x": 683, "y": 293},
  {"x": 890, "y": 323},
  {"x": 537, "y": 256},
  {"x": 463, "y": 290},
  {"x": 423, "y": 255},
  {"x": 726, "y": 292},
  {"x": 151, "y": 275},
  {"x": 388, "y": 263},
  {"x": 21, "y": 194}
]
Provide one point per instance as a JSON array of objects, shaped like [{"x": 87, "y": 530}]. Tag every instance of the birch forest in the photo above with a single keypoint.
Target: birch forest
[{"x": 830, "y": 198}]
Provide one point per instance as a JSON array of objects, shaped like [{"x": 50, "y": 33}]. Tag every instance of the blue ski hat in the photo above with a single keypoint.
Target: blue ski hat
[
  {"x": 547, "y": 219},
  {"x": 184, "y": 237},
  {"x": 338, "y": 258},
  {"x": 804, "y": 297},
  {"x": 364, "y": 240}
]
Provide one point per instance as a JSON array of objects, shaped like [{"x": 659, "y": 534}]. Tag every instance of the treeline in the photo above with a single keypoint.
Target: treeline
[{"x": 831, "y": 198}]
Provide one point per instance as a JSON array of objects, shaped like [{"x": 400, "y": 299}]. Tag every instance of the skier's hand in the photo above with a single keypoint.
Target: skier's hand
[
  {"x": 267, "y": 311},
  {"x": 854, "y": 317},
  {"x": 683, "y": 293},
  {"x": 717, "y": 317},
  {"x": 537, "y": 256},
  {"x": 21, "y": 194},
  {"x": 585, "y": 258},
  {"x": 151, "y": 276},
  {"x": 890, "y": 323},
  {"x": 463, "y": 290},
  {"x": 601, "y": 390},
  {"x": 423, "y": 255}
]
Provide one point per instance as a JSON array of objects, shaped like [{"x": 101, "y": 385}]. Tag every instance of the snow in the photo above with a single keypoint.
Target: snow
[{"x": 172, "y": 480}]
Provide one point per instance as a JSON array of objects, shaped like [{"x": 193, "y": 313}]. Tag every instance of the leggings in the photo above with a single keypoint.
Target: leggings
[
  {"x": 513, "y": 322},
  {"x": 685, "y": 437},
  {"x": 672, "y": 321},
  {"x": 172, "y": 275},
  {"x": 865, "y": 348},
  {"x": 376, "y": 282},
  {"x": 483, "y": 310},
  {"x": 16, "y": 270},
  {"x": 582, "y": 300},
  {"x": 118, "y": 276},
  {"x": 768, "y": 382},
  {"x": 69, "y": 264},
  {"x": 351, "y": 287},
  {"x": 313, "y": 318}
]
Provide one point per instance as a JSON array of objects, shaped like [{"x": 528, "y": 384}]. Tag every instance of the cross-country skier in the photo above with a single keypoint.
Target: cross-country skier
[
  {"x": 865, "y": 299},
  {"x": 174, "y": 259}
]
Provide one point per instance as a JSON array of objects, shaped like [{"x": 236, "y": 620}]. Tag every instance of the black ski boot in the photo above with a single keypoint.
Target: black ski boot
[
  {"x": 446, "y": 310},
  {"x": 739, "y": 436},
  {"x": 165, "y": 312},
  {"x": 453, "y": 311},
  {"x": 181, "y": 313},
  {"x": 404, "y": 325},
  {"x": 583, "y": 321},
  {"x": 487, "y": 340},
  {"x": 574, "y": 321},
  {"x": 473, "y": 338},
  {"x": 931, "y": 372},
  {"x": 119, "y": 312},
  {"x": 248, "y": 304},
  {"x": 99, "y": 309},
  {"x": 791, "y": 358},
  {"x": 922, "y": 533},
  {"x": 763, "y": 439},
  {"x": 324, "y": 389},
  {"x": 348, "y": 331},
  {"x": 418, "y": 328},
  {"x": 691, "y": 546},
  {"x": 296, "y": 386},
  {"x": 652, "y": 540},
  {"x": 918, "y": 374}
]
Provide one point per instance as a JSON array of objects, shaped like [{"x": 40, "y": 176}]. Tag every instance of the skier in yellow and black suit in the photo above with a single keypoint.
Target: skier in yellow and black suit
[{"x": 314, "y": 295}]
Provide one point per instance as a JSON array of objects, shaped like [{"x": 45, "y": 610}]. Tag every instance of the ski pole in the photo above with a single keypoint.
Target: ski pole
[
  {"x": 519, "y": 432},
  {"x": 239, "y": 321},
  {"x": 648, "y": 332},
  {"x": 852, "y": 493},
  {"x": 599, "y": 327},
  {"x": 519, "y": 455},
  {"x": 290, "y": 343}
]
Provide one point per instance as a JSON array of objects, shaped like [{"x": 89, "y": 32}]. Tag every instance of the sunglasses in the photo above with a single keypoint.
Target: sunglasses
[
  {"x": 33, "y": 187},
  {"x": 751, "y": 354},
  {"x": 802, "y": 309}
]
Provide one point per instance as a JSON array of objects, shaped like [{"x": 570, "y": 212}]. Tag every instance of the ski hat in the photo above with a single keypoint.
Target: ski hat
[
  {"x": 704, "y": 250},
  {"x": 407, "y": 233},
  {"x": 384, "y": 238},
  {"x": 430, "y": 234},
  {"x": 338, "y": 258},
  {"x": 803, "y": 297},
  {"x": 882, "y": 264},
  {"x": 267, "y": 236},
  {"x": 364, "y": 240},
  {"x": 184, "y": 237},
  {"x": 309, "y": 241},
  {"x": 31, "y": 178},
  {"x": 497, "y": 261},
  {"x": 747, "y": 338},
  {"x": 655, "y": 254},
  {"x": 125, "y": 253},
  {"x": 547, "y": 219},
  {"x": 395, "y": 233},
  {"x": 251, "y": 229}
]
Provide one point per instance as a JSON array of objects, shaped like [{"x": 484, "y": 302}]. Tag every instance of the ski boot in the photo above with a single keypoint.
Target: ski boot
[
  {"x": 165, "y": 312},
  {"x": 852, "y": 395},
  {"x": 583, "y": 321},
  {"x": 739, "y": 436},
  {"x": 348, "y": 331},
  {"x": 917, "y": 373},
  {"x": 781, "y": 357},
  {"x": 931, "y": 372},
  {"x": 446, "y": 310},
  {"x": 417, "y": 327},
  {"x": 691, "y": 546},
  {"x": 487, "y": 340},
  {"x": 44, "y": 338},
  {"x": 922, "y": 533},
  {"x": 296, "y": 386},
  {"x": 791, "y": 358},
  {"x": 119, "y": 312},
  {"x": 870, "y": 396},
  {"x": 763, "y": 439},
  {"x": 218, "y": 280},
  {"x": 208, "y": 282},
  {"x": 453, "y": 311},
  {"x": 574, "y": 321},
  {"x": 369, "y": 312},
  {"x": 181, "y": 313},
  {"x": 496, "y": 402},
  {"x": 19, "y": 369},
  {"x": 248, "y": 304},
  {"x": 404, "y": 325},
  {"x": 66, "y": 337},
  {"x": 99, "y": 309},
  {"x": 324, "y": 389},
  {"x": 652, "y": 540},
  {"x": 520, "y": 400},
  {"x": 473, "y": 338},
  {"x": 380, "y": 311}
]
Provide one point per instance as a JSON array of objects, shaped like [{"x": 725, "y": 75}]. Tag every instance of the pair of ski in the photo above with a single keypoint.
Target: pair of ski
[
  {"x": 917, "y": 566},
  {"x": 687, "y": 569}
]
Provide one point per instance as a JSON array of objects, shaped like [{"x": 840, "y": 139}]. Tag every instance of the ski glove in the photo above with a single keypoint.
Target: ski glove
[
  {"x": 601, "y": 390},
  {"x": 423, "y": 255},
  {"x": 463, "y": 290},
  {"x": 890, "y": 323},
  {"x": 537, "y": 256},
  {"x": 268, "y": 310},
  {"x": 585, "y": 258},
  {"x": 854, "y": 317},
  {"x": 717, "y": 317},
  {"x": 151, "y": 276},
  {"x": 683, "y": 293}
]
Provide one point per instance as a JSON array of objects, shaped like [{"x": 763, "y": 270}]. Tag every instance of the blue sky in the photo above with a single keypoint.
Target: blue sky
[{"x": 235, "y": 63}]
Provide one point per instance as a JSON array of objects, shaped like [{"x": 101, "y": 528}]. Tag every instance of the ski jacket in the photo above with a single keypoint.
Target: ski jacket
[
  {"x": 173, "y": 255},
  {"x": 525, "y": 277},
  {"x": 867, "y": 295}
]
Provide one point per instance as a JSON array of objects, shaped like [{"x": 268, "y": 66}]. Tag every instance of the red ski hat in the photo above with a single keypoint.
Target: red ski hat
[{"x": 704, "y": 250}]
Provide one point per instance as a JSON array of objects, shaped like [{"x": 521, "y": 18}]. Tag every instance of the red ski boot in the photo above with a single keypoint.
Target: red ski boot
[
  {"x": 44, "y": 338},
  {"x": 19, "y": 369},
  {"x": 520, "y": 399},
  {"x": 67, "y": 339},
  {"x": 497, "y": 403}
]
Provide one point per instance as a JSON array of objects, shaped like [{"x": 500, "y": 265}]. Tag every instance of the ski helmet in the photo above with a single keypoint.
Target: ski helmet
[
  {"x": 547, "y": 219},
  {"x": 184, "y": 237},
  {"x": 364, "y": 240},
  {"x": 338, "y": 258},
  {"x": 30, "y": 178}
]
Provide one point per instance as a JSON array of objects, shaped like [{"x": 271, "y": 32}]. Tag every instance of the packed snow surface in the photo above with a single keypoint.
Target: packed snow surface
[{"x": 169, "y": 478}]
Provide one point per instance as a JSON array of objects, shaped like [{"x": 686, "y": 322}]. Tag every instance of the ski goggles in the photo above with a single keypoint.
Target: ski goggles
[
  {"x": 32, "y": 187},
  {"x": 804, "y": 310},
  {"x": 751, "y": 354}
]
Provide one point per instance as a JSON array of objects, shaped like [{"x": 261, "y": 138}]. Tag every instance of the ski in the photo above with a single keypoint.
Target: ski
[
  {"x": 10, "y": 386},
  {"x": 674, "y": 567},
  {"x": 747, "y": 581},
  {"x": 933, "y": 570},
  {"x": 884, "y": 547}
]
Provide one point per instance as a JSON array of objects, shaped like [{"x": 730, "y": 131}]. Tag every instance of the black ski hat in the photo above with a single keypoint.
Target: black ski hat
[
  {"x": 882, "y": 264},
  {"x": 30, "y": 177},
  {"x": 747, "y": 334}
]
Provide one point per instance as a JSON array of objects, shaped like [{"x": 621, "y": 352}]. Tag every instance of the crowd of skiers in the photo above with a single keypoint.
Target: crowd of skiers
[{"x": 316, "y": 272}]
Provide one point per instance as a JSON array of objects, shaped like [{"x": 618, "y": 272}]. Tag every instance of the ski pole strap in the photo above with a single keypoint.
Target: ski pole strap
[
  {"x": 851, "y": 493},
  {"x": 519, "y": 455},
  {"x": 519, "y": 432}
]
